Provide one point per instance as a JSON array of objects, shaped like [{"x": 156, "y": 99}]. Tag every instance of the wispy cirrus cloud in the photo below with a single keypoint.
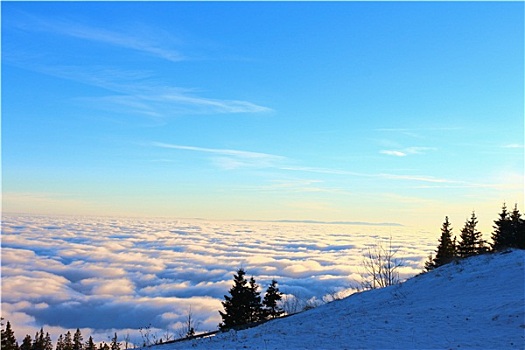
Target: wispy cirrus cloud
[
  {"x": 406, "y": 151},
  {"x": 415, "y": 178},
  {"x": 229, "y": 158},
  {"x": 146, "y": 39},
  {"x": 233, "y": 159},
  {"x": 401, "y": 177},
  {"x": 133, "y": 91},
  {"x": 393, "y": 153},
  {"x": 418, "y": 133},
  {"x": 138, "y": 92}
]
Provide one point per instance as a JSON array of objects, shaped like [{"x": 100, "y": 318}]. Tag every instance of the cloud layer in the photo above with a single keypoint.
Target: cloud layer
[{"x": 104, "y": 275}]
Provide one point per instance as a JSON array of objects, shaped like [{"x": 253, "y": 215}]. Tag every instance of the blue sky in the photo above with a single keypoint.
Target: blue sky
[{"x": 356, "y": 111}]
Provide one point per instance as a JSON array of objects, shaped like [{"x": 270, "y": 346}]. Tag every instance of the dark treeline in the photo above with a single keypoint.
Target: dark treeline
[
  {"x": 509, "y": 232},
  {"x": 43, "y": 341}
]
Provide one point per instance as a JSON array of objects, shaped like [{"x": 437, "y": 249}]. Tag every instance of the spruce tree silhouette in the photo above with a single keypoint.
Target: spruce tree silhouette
[{"x": 243, "y": 305}]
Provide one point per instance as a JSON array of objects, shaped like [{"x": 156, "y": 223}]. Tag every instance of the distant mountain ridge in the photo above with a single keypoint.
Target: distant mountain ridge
[{"x": 357, "y": 223}]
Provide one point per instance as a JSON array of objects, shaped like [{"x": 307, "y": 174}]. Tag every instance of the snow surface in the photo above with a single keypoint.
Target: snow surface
[{"x": 477, "y": 303}]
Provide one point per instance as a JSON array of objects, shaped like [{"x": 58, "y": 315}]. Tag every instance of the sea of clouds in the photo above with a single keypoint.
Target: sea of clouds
[{"x": 106, "y": 275}]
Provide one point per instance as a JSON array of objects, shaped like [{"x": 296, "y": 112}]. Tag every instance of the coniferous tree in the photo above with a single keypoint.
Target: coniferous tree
[
  {"x": 90, "y": 344},
  {"x": 68, "y": 342},
  {"x": 471, "y": 242},
  {"x": 103, "y": 346},
  {"x": 60, "y": 343},
  {"x": 48, "y": 343},
  {"x": 517, "y": 225},
  {"x": 446, "y": 250},
  {"x": 78, "y": 340},
  {"x": 27, "y": 343},
  {"x": 502, "y": 235},
  {"x": 254, "y": 297},
  {"x": 8, "y": 338},
  {"x": 429, "y": 264},
  {"x": 243, "y": 305},
  {"x": 272, "y": 296},
  {"x": 236, "y": 309},
  {"x": 38, "y": 342}
]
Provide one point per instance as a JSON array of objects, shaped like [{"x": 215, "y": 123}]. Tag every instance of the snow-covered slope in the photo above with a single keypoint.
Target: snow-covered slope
[{"x": 477, "y": 303}]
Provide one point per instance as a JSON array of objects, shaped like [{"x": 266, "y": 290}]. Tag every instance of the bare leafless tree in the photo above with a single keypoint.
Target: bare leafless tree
[
  {"x": 189, "y": 327},
  {"x": 381, "y": 267}
]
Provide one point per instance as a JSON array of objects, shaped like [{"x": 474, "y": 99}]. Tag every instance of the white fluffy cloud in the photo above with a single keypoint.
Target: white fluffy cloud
[{"x": 105, "y": 275}]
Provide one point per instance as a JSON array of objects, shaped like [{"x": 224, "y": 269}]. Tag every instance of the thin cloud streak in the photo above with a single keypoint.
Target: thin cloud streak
[
  {"x": 125, "y": 39},
  {"x": 393, "y": 153},
  {"x": 414, "y": 178},
  {"x": 230, "y": 159},
  {"x": 406, "y": 151},
  {"x": 273, "y": 161},
  {"x": 227, "y": 152},
  {"x": 138, "y": 93},
  {"x": 384, "y": 176}
]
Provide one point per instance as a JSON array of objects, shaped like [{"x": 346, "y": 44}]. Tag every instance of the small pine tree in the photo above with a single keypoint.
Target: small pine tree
[
  {"x": 471, "y": 242},
  {"x": 27, "y": 343},
  {"x": 8, "y": 338},
  {"x": 429, "y": 264},
  {"x": 272, "y": 296},
  {"x": 446, "y": 250},
  {"x": 78, "y": 340},
  {"x": 103, "y": 346},
  {"x": 90, "y": 344}
]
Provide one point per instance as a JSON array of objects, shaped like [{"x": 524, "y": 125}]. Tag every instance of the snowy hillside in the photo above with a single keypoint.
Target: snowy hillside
[{"x": 478, "y": 303}]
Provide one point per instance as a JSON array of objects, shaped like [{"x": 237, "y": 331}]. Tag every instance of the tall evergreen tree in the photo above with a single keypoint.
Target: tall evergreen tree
[
  {"x": 243, "y": 305},
  {"x": 446, "y": 250},
  {"x": 27, "y": 343},
  {"x": 502, "y": 235},
  {"x": 8, "y": 338},
  {"x": 60, "y": 343},
  {"x": 38, "y": 342},
  {"x": 78, "y": 340},
  {"x": 235, "y": 305},
  {"x": 272, "y": 296},
  {"x": 517, "y": 225},
  {"x": 48, "y": 343},
  {"x": 471, "y": 242},
  {"x": 68, "y": 342},
  {"x": 254, "y": 297}
]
